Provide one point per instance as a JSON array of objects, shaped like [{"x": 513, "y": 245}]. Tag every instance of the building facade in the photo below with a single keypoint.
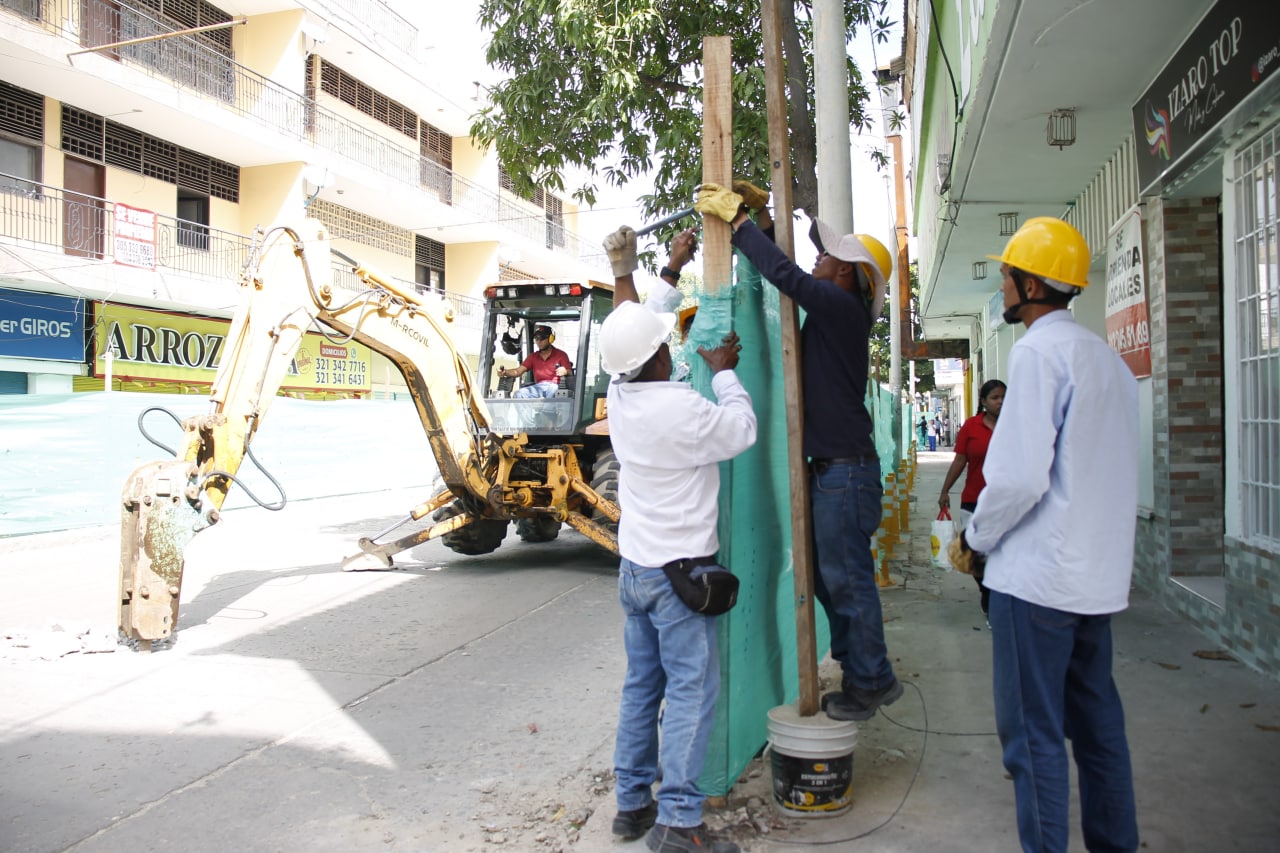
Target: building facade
[
  {"x": 1154, "y": 127},
  {"x": 144, "y": 142}
]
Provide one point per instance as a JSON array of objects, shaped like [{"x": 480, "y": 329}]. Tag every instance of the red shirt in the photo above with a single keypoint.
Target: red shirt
[
  {"x": 544, "y": 369},
  {"x": 972, "y": 441}
]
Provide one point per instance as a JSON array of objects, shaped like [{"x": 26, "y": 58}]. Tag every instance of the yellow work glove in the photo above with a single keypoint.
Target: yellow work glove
[
  {"x": 752, "y": 196},
  {"x": 964, "y": 559},
  {"x": 717, "y": 201}
]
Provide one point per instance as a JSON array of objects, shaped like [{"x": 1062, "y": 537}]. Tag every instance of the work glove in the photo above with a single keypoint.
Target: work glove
[
  {"x": 752, "y": 196},
  {"x": 964, "y": 559},
  {"x": 715, "y": 200},
  {"x": 620, "y": 246}
]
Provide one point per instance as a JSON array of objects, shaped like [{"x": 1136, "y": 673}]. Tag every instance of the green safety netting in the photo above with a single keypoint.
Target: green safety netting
[{"x": 758, "y": 663}]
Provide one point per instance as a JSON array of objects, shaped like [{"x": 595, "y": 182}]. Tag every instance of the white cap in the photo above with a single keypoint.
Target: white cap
[{"x": 851, "y": 250}]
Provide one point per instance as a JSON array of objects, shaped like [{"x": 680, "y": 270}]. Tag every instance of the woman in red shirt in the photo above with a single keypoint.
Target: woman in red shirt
[{"x": 971, "y": 450}]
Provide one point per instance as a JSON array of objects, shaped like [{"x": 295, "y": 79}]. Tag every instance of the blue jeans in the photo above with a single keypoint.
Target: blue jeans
[
  {"x": 1052, "y": 677},
  {"x": 846, "y": 513},
  {"x": 671, "y": 654},
  {"x": 536, "y": 390}
]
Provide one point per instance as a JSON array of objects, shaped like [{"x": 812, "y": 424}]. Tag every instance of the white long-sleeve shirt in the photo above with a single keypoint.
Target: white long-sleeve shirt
[
  {"x": 670, "y": 441},
  {"x": 1058, "y": 513}
]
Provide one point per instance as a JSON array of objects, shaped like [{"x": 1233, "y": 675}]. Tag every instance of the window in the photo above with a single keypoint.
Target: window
[
  {"x": 429, "y": 264},
  {"x": 1257, "y": 318},
  {"x": 193, "y": 220},
  {"x": 19, "y": 160},
  {"x": 101, "y": 140},
  {"x": 355, "y": 93},
  {"x": 30, "y": 8}
]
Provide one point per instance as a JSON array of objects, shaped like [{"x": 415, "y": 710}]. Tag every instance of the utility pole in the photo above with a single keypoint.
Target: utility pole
[{"x": 831, "y": 111}]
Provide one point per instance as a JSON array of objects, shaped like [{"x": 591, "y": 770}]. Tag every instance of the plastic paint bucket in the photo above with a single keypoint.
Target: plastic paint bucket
[{"x": 812, "y": 763}]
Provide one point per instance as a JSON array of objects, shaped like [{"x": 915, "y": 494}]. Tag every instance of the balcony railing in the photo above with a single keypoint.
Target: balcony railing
[
  {"x": 84, "y": 226},
  {"x": 468, "y": 312},
  {"x": 37, "y": 214},
  {"x": 195, "y": 66}
]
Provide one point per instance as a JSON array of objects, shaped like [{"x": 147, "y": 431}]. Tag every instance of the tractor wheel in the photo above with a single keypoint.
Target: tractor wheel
[
  {"x": 604, "y": 480},
  {"x": 482, "y": 536},
  {"x": 538, "y": 528}
]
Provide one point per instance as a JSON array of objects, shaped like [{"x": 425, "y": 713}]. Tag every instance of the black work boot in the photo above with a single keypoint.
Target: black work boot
[
  {"x": 690, "y": 839},
  {"x": 630, "y": 825},
  {"x": 852, "y": 703}
]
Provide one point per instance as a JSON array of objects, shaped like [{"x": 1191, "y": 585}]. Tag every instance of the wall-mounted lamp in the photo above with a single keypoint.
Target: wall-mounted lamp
[
  {"x": 979, "y": 270},
  {"x": 317, "y": 31},
  {"x": 1008, "y": 224},
  {"x": 1061, "y": 129},
  {"x": 944, "y": 173},
  {"x": 318, "y": 176}
]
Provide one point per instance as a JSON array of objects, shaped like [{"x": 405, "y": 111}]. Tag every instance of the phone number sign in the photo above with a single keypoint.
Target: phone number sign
[{"x": 1128, "y": 324}]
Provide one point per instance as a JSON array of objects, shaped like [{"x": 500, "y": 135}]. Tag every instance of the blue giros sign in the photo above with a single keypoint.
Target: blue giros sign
[{"x": 41, "y": 325}]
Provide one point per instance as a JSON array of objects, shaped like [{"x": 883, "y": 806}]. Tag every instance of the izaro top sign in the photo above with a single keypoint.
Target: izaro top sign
[
  {"x": 1224, "y": 60},
  {"x": 1127, "y": 321}
]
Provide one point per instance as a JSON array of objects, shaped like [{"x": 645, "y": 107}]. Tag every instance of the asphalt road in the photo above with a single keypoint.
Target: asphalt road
[{"x": 450, "y": 704}]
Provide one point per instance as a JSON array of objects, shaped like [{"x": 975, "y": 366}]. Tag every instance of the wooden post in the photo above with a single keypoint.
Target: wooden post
[
  {"x": 717, "y": 156},
  {"x": 801, "y": 525}
]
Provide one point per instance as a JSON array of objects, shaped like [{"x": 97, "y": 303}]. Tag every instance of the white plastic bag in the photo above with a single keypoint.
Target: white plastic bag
[{"x": 944, "y": 530}]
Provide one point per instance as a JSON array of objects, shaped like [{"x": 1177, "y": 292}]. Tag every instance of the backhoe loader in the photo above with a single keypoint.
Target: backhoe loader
[{"x": 492, "y": 473}]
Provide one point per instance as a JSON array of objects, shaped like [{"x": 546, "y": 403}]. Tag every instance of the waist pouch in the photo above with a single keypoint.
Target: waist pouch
[{"x": 704, "y": 585}]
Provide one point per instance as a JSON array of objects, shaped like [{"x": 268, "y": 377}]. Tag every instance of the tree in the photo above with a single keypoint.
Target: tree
[{"x": 614, "y": 88}]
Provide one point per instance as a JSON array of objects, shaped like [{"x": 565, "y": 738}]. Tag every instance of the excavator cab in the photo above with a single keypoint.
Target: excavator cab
[{"x": 515, "y": 313}]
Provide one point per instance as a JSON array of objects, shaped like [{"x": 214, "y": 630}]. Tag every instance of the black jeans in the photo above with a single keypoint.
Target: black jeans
[{"x": 986, "y": 593}]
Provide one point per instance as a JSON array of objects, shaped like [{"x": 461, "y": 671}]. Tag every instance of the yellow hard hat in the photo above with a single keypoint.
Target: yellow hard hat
[
  {"x": 1048, "y": 248},
  {"x": 683, "y": 316},
  {"x": 884, "y": 260}
]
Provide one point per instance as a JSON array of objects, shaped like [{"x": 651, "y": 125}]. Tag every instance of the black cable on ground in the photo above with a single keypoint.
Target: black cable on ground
[{"x": 915, "y": 775}]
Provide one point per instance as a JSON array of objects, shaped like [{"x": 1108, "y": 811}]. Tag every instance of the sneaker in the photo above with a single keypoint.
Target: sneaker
[
  {"x": 859, "y": 704},
  {"x": 630, "y": 825},
  {"x": 686, "y": 839}
]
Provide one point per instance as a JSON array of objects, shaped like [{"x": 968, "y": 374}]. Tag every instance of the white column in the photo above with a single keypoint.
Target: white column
[{"x": 831, "y": 106}]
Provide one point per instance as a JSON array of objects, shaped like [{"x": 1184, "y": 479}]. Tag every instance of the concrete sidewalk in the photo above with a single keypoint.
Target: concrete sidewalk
[{"x": 1204, "y": 734}]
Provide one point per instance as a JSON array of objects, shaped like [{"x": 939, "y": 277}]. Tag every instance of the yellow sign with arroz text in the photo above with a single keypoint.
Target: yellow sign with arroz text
[{"x": 161, "y": 346}]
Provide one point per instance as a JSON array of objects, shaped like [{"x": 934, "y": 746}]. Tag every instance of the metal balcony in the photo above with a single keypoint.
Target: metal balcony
[
  {"x": 194, "y": 66},
  {"x": 51, "y": 218}
]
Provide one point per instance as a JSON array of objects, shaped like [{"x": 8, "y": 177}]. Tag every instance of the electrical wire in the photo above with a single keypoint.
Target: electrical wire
[{"x": 955, "y": 97}]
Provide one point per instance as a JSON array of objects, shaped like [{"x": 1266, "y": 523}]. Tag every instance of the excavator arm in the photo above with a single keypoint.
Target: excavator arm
[{"x": 286, "y": 288}]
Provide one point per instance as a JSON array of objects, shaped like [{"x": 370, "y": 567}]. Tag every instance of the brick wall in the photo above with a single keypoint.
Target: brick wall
[
  {"x": 1184, "y": 272},
  {"x": 1185, "y": 537}
]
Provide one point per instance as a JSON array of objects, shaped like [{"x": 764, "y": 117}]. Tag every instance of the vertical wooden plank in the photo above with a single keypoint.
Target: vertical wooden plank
[
  {"x": 717, "y": 156},
  {"x": 801, "y": 527}
]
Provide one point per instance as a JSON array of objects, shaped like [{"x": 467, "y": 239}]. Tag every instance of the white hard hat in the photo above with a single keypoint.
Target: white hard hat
[{"x": 630, "y": 335}]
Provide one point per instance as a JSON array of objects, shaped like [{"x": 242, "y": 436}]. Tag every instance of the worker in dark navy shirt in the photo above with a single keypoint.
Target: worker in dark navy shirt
[{"x": 841, "y": 297}]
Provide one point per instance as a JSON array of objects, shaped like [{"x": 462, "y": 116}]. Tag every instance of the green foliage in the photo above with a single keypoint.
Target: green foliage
[{"x": 614, "y": 88}]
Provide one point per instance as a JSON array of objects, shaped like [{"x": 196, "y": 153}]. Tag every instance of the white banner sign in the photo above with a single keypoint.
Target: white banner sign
[
  {"x": 1127, "y": 322},
  {"x": 135, "y": 237}
]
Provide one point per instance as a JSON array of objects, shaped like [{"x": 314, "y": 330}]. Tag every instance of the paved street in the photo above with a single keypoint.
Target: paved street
[
  {"x": 468, "y": 704},
  {"x": 442, "y": 706}
]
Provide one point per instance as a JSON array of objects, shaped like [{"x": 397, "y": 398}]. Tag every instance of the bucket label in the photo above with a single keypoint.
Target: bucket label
[{"x": 808, "y": 785}]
